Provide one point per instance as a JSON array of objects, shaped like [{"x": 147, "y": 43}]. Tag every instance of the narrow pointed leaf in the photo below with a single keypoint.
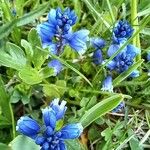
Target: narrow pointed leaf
[{"x": 100, "y": 109}]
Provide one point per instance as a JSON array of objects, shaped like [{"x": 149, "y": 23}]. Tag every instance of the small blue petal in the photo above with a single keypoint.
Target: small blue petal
[
  {"x": 40, "y": 140},
  {"x": 132, "y": 50},
  {"x": 62, "y": 146},
  {"x": 111, "y": 65},
  {"x": 98, "y": 43},
  {"x": 51, "y": 46},
  {"x": 77, "y": 40},
  {"x": 45, "y": 146},
  {"x": 49, "y": 131},
  {"x": 59, "y": 109},
  {"x": 27, "y": 126},
  {"x": 52, "y": 17},
  {"x": 56, "y": 65},
  {"x": 135, "y": 74},
  {"x": 49, "y": 117},
  {"x": 112, "y": 49},
  {"x": 107, "y": 84},
  {"x": 46, "y": 31},
  {"x": 97, "y": 57},
  {"x": 71, "y": 131}
]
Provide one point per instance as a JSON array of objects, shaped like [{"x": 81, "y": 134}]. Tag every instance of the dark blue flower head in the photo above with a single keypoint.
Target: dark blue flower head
[
  {"x": 98, "y": 43},
  {"x": 122, "y": 31},
  {"x": 107, "y": 84},
  {"x": 97, "y": 57},
  {"x": 56, "y": 65},
  {"x": 57, "y": 32},
  {"x": 48, "y": 136},
  {"x": 124, "y": 59},
  {"x": 65, "y": 19}
]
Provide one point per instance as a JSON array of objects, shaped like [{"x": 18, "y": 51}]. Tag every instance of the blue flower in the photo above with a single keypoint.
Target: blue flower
[
  {"x": 57, "y": 32},
  {"x": 97, "y": 57},
  {"x": 77, "y": 40},
  {"x": 48, "y": 136},
  {"x": 56, "y": 65},
  {"x": 122, "y": 31},
  {"x": 59, "y": 109},
  {"x": 124, "y": 59},
  {"x": 107, "y": 84},
  {"x": 98, "y": 43},
  {"x": 118, "y": 108},
  {"x": 28, "y": 126}
]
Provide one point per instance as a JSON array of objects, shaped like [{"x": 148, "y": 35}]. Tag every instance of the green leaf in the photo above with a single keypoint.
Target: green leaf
[
  {"x": 134, "y": 142},
  {"x": 39, "y": 55},
  {"x": 30, "y": 76},
  {"x": 4, "y": 122},
  {"x": 4, "y": 101},
  {"x": 28, "y": 48},
  {"x": 125, "y": 74},
  {"x": 144, "y": 12},
  {"x": 6, "y": 29},
  {"x": 95, "y": 12},
  {"x": 146, "y": 31},
  {"x": 7, "y": 14},
  {"x": 23, "y": 143},
  {"x": 55, "y": 90},
  {"x": 30, "y": 17},
  {"x": 46, "y": 72},
  {"x": 13, "y": 57},
  {"x": 4, "y": 147},
  {"x": 72, "y": 68},
  {"x": 73, "y": 145},
  {"x": 100, "y": 109}
]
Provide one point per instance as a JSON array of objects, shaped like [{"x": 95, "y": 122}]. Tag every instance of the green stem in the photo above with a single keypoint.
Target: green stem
[
  {"x": 135, "y": 23},
  {"x": 13, "y": 121}
]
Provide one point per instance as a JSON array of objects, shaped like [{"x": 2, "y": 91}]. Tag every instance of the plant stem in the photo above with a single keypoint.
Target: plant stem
[
  {"x": 135, "y": 23},
  {"x": 13, "y": 121}
]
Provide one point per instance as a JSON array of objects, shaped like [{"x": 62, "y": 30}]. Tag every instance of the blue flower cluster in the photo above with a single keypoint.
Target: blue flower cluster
[
  {"x": 125, "y": 58},
  {"x": 47, "y": 135},
  {"x": 57, "y": 32},
  {"x": 122, "y": 31}
]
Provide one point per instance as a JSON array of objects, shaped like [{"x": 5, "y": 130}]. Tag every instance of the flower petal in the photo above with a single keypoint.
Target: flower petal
[
  {"x": 49, "y": 117},
  {"x": 71, "y": 131},
  {"x": 135, "y": 74},
  {"x": 56, "y": 65},
  {"x": 132, "y": 50},
  {"x": 27, "y": 126},
  {"x": 98, "y": 43},
  {"x": 111, "y": 65},
  {"x": 77, "y": 40},
  {"x": 97, "y": 57},
  {"x": 107, "y": 84},
  {"x": 59, "y": 109}
]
